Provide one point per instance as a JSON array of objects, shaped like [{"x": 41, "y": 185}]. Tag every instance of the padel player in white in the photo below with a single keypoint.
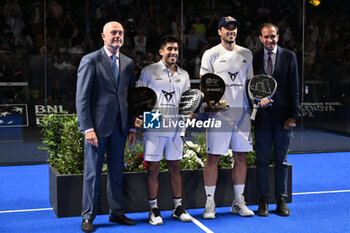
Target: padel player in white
[
  {"x": 168, "y": 81},
  {"x": 233, "y": 64}
]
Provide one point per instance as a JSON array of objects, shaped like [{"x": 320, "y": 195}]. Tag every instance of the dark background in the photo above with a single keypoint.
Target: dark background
[{"x": 42, "y": 42}]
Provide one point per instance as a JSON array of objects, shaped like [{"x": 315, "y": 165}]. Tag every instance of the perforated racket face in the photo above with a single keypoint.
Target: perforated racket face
[
  {"x": 141, "y": 99},
  {"x": 262, "y": 86},
  {"x": 191, "y": 101},
  {"x": 213, "y": 87}
]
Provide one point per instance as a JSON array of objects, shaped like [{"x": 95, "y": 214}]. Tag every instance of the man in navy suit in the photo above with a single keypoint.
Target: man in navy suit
[
  {"x": 273, "y": 124},
  {"x": 104, "y": 79}
]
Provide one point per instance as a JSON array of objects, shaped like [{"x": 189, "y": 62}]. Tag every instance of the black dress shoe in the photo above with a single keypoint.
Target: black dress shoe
[
  {"x": 282, "y": 208},
  {"x": 122, "y": 219},
  {"x": 263, "y": 208},
  {"x": 87, "y": 226}
]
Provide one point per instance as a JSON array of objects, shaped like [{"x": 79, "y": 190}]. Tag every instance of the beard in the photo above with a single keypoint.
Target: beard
[
  {"x": 228, "y": 41},
  {"x": 172, "y": 60},
  {"x": 115, "y": 47}
]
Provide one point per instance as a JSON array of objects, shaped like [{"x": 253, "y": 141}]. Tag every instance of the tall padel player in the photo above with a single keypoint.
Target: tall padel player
[
  {"x": 233, "y": 64},
  {"x": 169, "y": 81}
]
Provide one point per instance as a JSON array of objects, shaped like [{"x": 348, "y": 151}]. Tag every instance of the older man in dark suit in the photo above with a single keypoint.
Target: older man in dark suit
[
  {"x": 104, "y": 79},
  {"x": 273, "y": 124}
]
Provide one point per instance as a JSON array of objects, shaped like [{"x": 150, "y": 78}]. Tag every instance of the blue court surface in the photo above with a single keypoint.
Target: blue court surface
[{"x": 321, "y": 203}]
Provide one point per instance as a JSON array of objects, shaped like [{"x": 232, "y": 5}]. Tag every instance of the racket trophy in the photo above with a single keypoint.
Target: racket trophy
[
  {"x": 141, "y": 99},
  {"x": 213, "y": 87},
  {"x": 260, "y": 86}
]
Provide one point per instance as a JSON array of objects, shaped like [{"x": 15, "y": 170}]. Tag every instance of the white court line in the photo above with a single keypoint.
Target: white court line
[
  {"x": 26, "y": 210},
  {"x": 195, "y": 221},
  {"x": 320, "y": 192},
  {"x": 201, "y": 226}
]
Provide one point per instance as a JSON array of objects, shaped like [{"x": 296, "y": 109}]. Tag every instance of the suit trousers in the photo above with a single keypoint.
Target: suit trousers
[
  {"x": 271, "y": 138},
  {"x": 114, "y": 146}
]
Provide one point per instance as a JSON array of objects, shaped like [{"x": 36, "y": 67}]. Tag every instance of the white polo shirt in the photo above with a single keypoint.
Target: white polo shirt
[
  {"x": 234, "y": 67},
  {"x": 168, "y": 88}
]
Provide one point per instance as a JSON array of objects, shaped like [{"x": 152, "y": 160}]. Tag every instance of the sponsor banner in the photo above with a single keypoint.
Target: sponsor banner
[
  {"x": 42, "y": 110},
  {"x": 14, "y": 115},
  {"x": 310, "y": 109}
]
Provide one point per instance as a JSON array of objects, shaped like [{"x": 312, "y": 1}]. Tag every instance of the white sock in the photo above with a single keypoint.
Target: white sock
[
  {"x": 153, "y": 203},
  {"x": 210, "y": 190},
  {"x": 177, "y": 202},
  {"x": 238, "y": 189}
]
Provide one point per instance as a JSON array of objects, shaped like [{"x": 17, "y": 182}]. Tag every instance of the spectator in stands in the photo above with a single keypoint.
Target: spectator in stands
[
  {"x": 51, "y": 24},
  {"x": 140, "y": 42},
  {"x": 24, "y": 42},
  {"x": 16, "y": 23},
  {"x": 212, "y": 29},
  {"x": 153, "y": 41},
  {"x": 130, "y": 26},
  {"x": 12, "y": 5},
  {"x": 114, "y": 12},
  {"x": 313, "y": 29},
  {"x": 36, "y": 17},
  {"x": 68, "y": 24},
  {"x": 144, "y": 25},
  {"x": 7, "y": 39},
  {"x": 86, "y": 6},
  {"x": 181, "y": 38},
  {"x": 86, "y": 23},
  {"x": 57, "y": 10},
  {"x": 263, "y": 12},
  {"x": 177, "y": 22},
  {"x": 200, "y": 27},
  {"x": 252, "y": 41},
  {"x": 194, "y": 43},
  {"x": 36, "y": 73}
]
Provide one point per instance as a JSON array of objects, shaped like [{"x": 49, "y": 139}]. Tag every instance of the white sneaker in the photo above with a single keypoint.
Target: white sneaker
[
  {"x": 181, "y": 214},
  {"x": 239, "y": 207},
  {"x": 209, "y": 212},
  {"x": 154, "y": 217}
]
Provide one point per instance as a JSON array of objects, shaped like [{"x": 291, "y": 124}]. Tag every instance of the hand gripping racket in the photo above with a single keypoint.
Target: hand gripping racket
[{"x": 259, "y": 87}]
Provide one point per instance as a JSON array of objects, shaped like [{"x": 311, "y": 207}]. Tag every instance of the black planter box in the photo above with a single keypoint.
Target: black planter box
[{"x": 66, "y": 191}]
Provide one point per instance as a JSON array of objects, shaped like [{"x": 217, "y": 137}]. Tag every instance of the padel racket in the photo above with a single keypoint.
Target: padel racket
[
  {"x": 259, "y": 87},
  {"x": 190, "y": 102},
  {"x": 141, "y": 99}
]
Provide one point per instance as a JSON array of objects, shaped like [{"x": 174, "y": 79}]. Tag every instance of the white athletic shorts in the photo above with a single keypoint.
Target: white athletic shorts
[
  {"x": 234, "y": 134},
  {"x": 156, "y": 146}
]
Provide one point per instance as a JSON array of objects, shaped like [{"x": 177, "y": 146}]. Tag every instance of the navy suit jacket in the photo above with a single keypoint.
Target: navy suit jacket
[
  {"x": 99, "y": 98},
  {"x": 286, "y": 98}
]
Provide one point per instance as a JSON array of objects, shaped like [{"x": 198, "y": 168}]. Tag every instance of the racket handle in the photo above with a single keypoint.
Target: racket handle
[
  {"x": 252, "y": 116},
  {"x": 183, "y": 130}
]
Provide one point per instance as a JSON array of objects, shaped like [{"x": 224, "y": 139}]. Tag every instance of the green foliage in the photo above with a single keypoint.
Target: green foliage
[
  {"x": 134, "y": 159},
  {"x": 65, "y": 145},
  {"x": 63, "y": 142}
]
